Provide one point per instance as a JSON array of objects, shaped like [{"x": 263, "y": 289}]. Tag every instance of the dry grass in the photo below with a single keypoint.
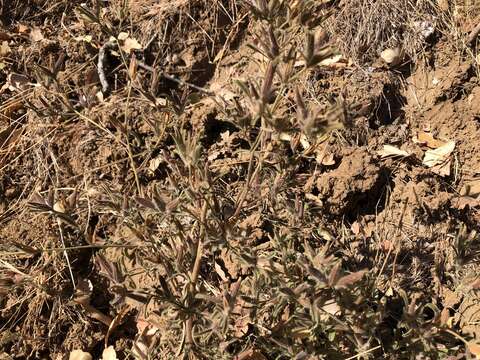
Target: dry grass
[{"x": 364, "y": 28}]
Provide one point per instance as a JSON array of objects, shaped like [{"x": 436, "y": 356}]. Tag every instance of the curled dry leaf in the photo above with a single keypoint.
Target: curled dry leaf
[
  {"x": 130, "y": 45},
  {"x": 326, "y": 160},
  {"x": 355, "y": 228},
  {"x": 123, "y": 36},
  {"x": 22, "y": 29},
  {"x": 329, "y": 160},
  {"x": 392, "y": 151},
  {"x": 392, "y": 56},
  {"x": 117, "y": 320},
  {"x": 36, "y": 35},
  {"x": 5, "y": 49},
  {"x": 438, "y": 160},
  {"x": 79, "y": 355},
  {"x": 59, "y": 207},
  {"x": 155, "y": 163},
  {"x": 439, "y": 155},
  {"x": 331, "y": 60},
  {"x": 109, "y": 354}
]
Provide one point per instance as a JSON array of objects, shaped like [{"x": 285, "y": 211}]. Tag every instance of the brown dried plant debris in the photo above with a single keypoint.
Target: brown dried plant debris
[
  {"x": 365, "y": 28},
  {"x": 215, "y": 179}
]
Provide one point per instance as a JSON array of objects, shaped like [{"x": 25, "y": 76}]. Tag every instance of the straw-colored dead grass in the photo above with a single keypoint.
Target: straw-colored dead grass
[{"x": 364, "y": 28}]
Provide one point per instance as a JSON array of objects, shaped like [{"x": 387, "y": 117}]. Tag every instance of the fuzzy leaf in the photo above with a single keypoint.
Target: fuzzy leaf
[{"x": 350, "y": 279}]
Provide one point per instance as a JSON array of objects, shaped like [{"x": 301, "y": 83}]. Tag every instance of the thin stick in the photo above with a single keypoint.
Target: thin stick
[
  {"x": 60, "y": 249},
  {"x": 65, "y": 254},
  {"x": 243, "y": 194},
  {"x": 127, "y": 121},
  {"x": 59, "y": 223},
  {"x": 363, "y": 353},
  {"x": 174, "y": 79}
]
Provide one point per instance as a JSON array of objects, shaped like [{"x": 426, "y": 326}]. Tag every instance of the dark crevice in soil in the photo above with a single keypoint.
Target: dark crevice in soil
[
  {"x": 390, "y": 107},
  {"x": 238, "y": 39},
  {"x": 214, "y": 128},
  {"x": 406, "y": 69},
  {"x": 464, "y": 87},
  {"x": 371, "y": 202},
  {"x": 202, "y": 72},
  {"x": 386, "y": 329}
]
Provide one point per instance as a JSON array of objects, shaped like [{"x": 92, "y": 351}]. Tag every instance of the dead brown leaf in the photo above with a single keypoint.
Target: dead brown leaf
[
  {"x": 439, "y": 155},
  {"x": 145, "y": 341},
  {"x": 392, "y": 151},
  {"x": 23, "y": 29},
  {"x": 444, "y": 316},
  {"x": 334, "y": 274},
  {"x": 117, "y": 320},
  {"x": 332, "y": 308},
  {"x": 355, "y": 227},
  {"x": 350, "y": 279},
  {"x": 155, "y": 163},
  {"x": 451, "y": 298},
  {"x": 328, "y": 160},
  {"x": 442, "y": 169},
  {"x": 438, "y": 160},
  {"x": 36, "y": 35},
  {"x": 5, "y": 49},
  {"x": 130, "y": 45},
  {"x": 426, "y": 138}
]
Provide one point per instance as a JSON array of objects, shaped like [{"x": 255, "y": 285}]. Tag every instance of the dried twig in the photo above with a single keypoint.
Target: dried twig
[{"x": 174, "y": 79}]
